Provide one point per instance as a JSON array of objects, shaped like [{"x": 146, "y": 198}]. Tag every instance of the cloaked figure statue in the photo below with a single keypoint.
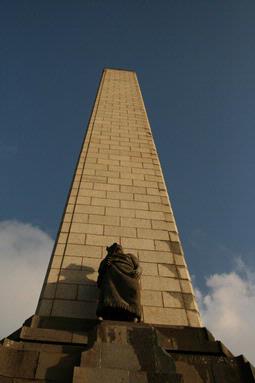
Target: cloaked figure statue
[{"x": 118, "y": 281}]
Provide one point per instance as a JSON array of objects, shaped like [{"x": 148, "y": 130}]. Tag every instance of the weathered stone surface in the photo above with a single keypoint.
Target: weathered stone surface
[
  {"x": 106, "y": 375},
  {"x": 18, "y": 363},
  {"x": 50, "y": 335},
  {"x": 56, "y": 366}
]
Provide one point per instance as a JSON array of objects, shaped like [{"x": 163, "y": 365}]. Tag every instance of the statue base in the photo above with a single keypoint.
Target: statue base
[{"x": 56, "y": 349}]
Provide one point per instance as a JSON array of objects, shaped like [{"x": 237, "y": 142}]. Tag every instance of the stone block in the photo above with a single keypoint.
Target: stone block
[
  {"x": 84, "y": 251},
  {"x": 106, "y": 187},
  {"x": 65, "y": 227},
  {"x": 186, "y": 286},
  {"x": 121, "y": 169},
  {"x": 44, "y": 307},
  {"x": 104, "y": 220},
  {"x": 80, "y": 338},
  {"x": 133, "y": 189},
  {"x": 143, "y": 171},
  {"x": 90, "y": 263},
  {"x": 69, "y": 208},
  {"x": 190, "y": 302},
  {"x": 168, "y": 316},
  {"x": 146, "y": 198},
  {"x": 108, "y": 162},
  {"x": 102, "y": 240},
  {"x": 56, "y": 366},
  {"x": 164, "y": 225},
  {"x": 133, "y": 176},
  {"x": 59, "y": 249},
  {"x": 74, "y": 309},
  {"x": 53, "y": 276},
  {"x": 88, "y": 293},
  {"x": 95, "y": 375},
  {"x": 146, "y": 244},
  {"x": 174, "y": 237},
  {"x": 135, "y": 222},
  {"x": 49, "y": 290},
  {"x": 18, "y": 363},
  {"x": 72, "y": 263},
  {"x": 105, "y": 202},
  {"x": 153, "y": 191},
  {"x": 151, "y": 298},
  {"x": 149, "y": 268},
  {"x": 83, "y": 200},
  {"x": 168, "y": 217},
  {"x": 80, "y": 218},
  {"x": 166, "y": 270},
  {"x": 173, "y": 299},
  {"x": 194, "y": 318},
  {"x": 45, "y": 335},
  {"x": 120, "y": 231},
  {"x": 156, "y": 215},
  {"x": 86, "y": 276},
  {"x": 119, "y": 212},
  {"x": 160, "y": 283},
  {"x": 62, "y": 237},
  {"x": 125, "y": 358},
  {"x": 156, "y": 256},
  {"x": 86, "y": 228},
  {"x": 134, "y": 205},
  {"x": 163, "y": 245},
  {"x": 66, "y": 291},
  {"x": 183, "y": 273},
  {"x": 89, "y": 209},
  {"x": 94, "y": 178},
  {"x": 56, "y": 261},
  {"x": 153, "y": 234},
  {"x": 118, "y": 181},
  {"x": 179, "y": 260},
  {"x": 76, "y": 238},
  {"x": 86, "y": 185},
  {"x": 92, "y": 193},
  {"x": 119, "y": 195},
  {"x": 176, "y": 248},
  {"x": 147, "y": 184},
  {"x": 107, "y": 173}
]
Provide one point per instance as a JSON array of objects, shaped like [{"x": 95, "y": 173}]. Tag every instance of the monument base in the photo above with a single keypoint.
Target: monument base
[{"x": 56, "y": 349}]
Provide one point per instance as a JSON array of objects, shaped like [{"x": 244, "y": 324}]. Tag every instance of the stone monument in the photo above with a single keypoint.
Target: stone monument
[{"x": 118, "y": 195}]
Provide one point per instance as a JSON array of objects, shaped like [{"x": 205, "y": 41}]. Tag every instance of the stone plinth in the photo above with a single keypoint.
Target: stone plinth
[{"x": 55, "y": 349}]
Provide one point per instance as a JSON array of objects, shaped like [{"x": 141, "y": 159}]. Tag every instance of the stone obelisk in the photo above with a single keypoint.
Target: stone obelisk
[{"x": 118, "y": 194}]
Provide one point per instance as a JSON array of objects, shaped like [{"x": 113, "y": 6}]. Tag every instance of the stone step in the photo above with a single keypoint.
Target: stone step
[
  {"x": 61, "y": 323},
  {"x": 212, "y": 368},
  {"x": 108, "y": 375},
  {"x": 53, "y": 336},
  {"x": 34, "y": 346},
  {"x": 198, "y": 340}
]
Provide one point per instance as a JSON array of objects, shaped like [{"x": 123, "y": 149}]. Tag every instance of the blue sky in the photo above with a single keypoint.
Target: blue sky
[{"x": 195, "y": 62}]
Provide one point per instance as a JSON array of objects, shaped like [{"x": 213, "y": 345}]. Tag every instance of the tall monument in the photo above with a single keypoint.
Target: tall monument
[{"x": 118, "y": 195}]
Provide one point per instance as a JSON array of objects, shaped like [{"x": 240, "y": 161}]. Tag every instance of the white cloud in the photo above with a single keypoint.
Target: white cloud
[
  {"x": 24, "y": 255},
  {"x": 228, "y": 309}
]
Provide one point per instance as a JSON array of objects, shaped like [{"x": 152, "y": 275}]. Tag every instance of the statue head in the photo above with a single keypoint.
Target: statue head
[{"x": 115, "y": 248}]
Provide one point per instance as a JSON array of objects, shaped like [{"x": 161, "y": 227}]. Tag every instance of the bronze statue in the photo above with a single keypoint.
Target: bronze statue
[{"x": 118, "y": 281}]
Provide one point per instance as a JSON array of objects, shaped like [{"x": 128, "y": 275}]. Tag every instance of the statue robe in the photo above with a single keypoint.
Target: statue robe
[{"x": 118, "y": 277}]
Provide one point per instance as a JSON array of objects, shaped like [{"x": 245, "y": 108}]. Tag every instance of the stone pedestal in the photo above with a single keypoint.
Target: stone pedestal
[
  {"x": 58, "y": 349},
  {"x": 126, "y": 353}
]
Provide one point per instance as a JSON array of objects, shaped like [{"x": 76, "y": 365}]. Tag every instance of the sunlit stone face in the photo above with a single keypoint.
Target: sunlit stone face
[{"x": 118, "y": 194}]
